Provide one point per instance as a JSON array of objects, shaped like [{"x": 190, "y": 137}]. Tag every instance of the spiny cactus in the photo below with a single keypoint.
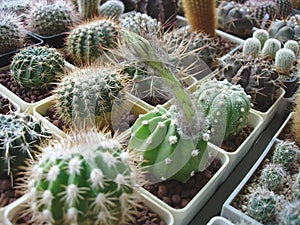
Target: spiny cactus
[
  {"x": 17, "y": 6},
  {"x": 111, "y": 8},
  {"x": 272, "y": 176},
  {"x": 164, "y": 150},
  {"x": 89, "y": 40},
  {"x": 285, "y": 153},
  {"x": 252, "y": 47},
  {"x": 290, "y": 214},
  {"x": 284, "y": 60},
  {"x": 292, "y": 45},
  {"x": 88, "y": 9},
  {"x": 285, "y": 7},
  {"x": 262, "y": 205},
  {"x": 12, "y": 34},
  {"x": 87, "y": 96},
  {"x": 271, "y": 46},
  {"x": 226, "y": 106},
  {"x": 296, "y": 187},
  {"x": 19, "y": 136},
  {"x": 262, "y": 35},
  {"x": 37, "y": 67},
  {"x": 201, "y": 15},
  {"x": 83, "y": 178},
  {"x": 263, "y": 10},
  {"x": 49, "y": 18}
]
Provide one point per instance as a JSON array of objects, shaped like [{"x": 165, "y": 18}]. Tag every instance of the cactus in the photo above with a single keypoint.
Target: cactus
[
  {"x": 251, "y": 47},
  {"x": 270, "y": 48},
  {"x": 164, "y": 150},
  {"x": 83, "y": 178},
  {"x": 226, "y": 106},
  {"x": 272, "y": 176},
  {"x": 86, "y": 96},
  {"x": 284, "y": 60},
  {"x": 292, "y": 45},
  {"x": 262, "y": 205},
  {"x": 89, "y": 40},
  {"x": 201, "y": 15},
  {"x": 20, "y": 134},
  {"x": 263, "y": 10},
  {"x": 285, "y": 153},
  {"x": 290, "y": 214},
  {"x": 284, "y": 7},
  {"x": 12, "y": 34},
  {"x": 52, "y": 18},
  {"x": 262, "y": 35},
  {"x": 111, "y": 8},
  {"x": 37, "y": 67},
  {"x": 88, "y": 9},
  {"x": 20, "y": 7},
  {"x": 296, "y": 187}
]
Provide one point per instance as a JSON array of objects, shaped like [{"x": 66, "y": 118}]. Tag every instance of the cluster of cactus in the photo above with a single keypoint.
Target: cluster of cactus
[
  {"x": 12, "y": 34},
  {"x": 89, "y": 40},
  {"x": 285, "y": 153},
  {"x": 226, "y": 107},
  {"x": 37, "y": 67},
  {"x": 88, "y": 9},
  {"x": 49, "y": 18},
  {"x": 112, "y": 8},
  {"x": 272, "y": 176},
  {"x": 83, "y": 178},
  {"x": 20, "y": 134},
  {"x": 290, "y": 214},
  {"x": 86, "y": 96},
  {"x": 166, "y": 152},
  {"x": 201, "y": 15}
]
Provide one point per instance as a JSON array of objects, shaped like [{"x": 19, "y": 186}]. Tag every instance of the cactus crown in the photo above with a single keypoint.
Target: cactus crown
[
  {"x": 285, "y": 153},
  {"x": 273, "y": 176},
  {"x": 112, "y": 8},
  {"x": 83, "y": 178},
  {"x": 37, "y": 67}
]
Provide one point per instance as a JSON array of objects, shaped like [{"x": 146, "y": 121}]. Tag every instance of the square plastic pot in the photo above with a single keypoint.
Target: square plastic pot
[
  {"x": 53, "y": 41},
  {"x": 218, "y": 220}
]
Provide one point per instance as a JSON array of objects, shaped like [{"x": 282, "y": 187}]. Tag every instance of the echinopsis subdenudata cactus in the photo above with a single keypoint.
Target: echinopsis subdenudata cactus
[
  {"x": 20, "y": 133},
  {"x": 83, "y": 178},
  {"x": 165, "y": 151},
  {"x": 37, "y": 67}
]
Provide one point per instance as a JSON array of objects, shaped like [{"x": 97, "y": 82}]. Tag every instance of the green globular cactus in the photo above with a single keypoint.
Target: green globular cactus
[
  {"x": 88, "y": 9},
  {"x": 262, "y": 35},
  {"x": 86, "y": 96},
  {"x": 37, "y": 67},
  {"x": 284, "y": 60},
  {"x": 19, "y": 137},
  {"x": 201, "y": 15},
  {"x": 285, "y": 153},
  {"x": 83, "y": 179},
  {"x": 272, "y": 176},
  {"x": 262, "y": 205},
  {"x": 112, "y": 8},
  {"x": 270, "y": 48},
  {"x": 166, "y": 152},
  {"x": 290, "y": 214},
  {"x": 90, "y": 40},
  {"x": 226, "y": 106},
  {"x": 251, "y": 47},
  {"x": 292, "y": 45},
  {"x": 12, "y": 34},
  {"x": 49, "y": 18}
]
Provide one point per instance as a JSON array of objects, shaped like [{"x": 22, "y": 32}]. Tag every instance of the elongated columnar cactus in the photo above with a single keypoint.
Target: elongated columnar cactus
[
  {"x": 83, "y": 179},
  {"x": 201, "y": 15},
  {"x": 88, "y": 8},
  {"x": 37, "y": 67}
]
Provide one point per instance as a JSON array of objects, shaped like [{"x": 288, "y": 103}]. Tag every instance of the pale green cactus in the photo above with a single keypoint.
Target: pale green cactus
[
  {"x": 292, "y": 45},
  {"x": 252, "y": 47},
  {"x": 262, "y": 35},
  {"x": 284, "y": 60},
  {"x": 270, "y": 48}
]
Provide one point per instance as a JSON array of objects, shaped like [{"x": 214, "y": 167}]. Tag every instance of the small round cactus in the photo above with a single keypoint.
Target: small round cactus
[
  {"x": 271, "y": 47},
  {"x": 284, "y": 60},
  {"x": 252, "y": 47},
  {"x": 292, "y": 45},
  {"x": 290, "y": 214},
  {"x": 272, "y": 176},
  {"x": 112, "y": 8},
  {"x": 262, "y": 205},
  {"x": 262, "y": 35},
  {"x": 37, "y": 67},
  {"x": 285, "y": 153},
  {"x": 83, "y": 178}
]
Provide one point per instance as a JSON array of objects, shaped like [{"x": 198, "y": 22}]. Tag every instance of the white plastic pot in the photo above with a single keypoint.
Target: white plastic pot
[{"x": 218, "y": 220}]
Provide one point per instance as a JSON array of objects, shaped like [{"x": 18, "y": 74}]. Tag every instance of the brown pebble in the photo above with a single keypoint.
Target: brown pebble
[
  {"x": 176, "y": 199},
  {"x": 162, "y": 191}
]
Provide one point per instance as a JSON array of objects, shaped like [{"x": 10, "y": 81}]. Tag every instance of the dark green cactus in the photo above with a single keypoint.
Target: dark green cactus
[
  {"x": 37, "y": 67},
  {"x": 12, "y": 34},
  {"x": 112, "y": 8},
  {"x": 83, "y": 179},
  {"x": 285, "y": 153},
  {"x": 20, "y": 135},
  {"x": 50, "y": 18}
]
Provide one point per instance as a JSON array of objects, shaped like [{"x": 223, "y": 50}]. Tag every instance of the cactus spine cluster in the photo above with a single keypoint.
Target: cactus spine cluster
[
  {"x": 12, "y": 34},
  {"x": 201, "y": 15},
  {"x": 88, "y": 8},
  {"x": 285, "y": 153},
  {"x": 37, "y": 67},
  {"x": 83, "y": 179},
  {"x": 112, "y": 8},
  {"x": 89, "y": 40},
  {"x": 20, "y": 134},
  {"x": 52, "y": 18},
  {"x": 272, "y": 176}
]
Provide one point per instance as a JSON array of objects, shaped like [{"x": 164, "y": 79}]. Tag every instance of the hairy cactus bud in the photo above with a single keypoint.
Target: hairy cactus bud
[
  {"x": 285, "y": 153},
  {"x": 37, "y": 67},
  {"x": 292, "y": 45},
  {"x": 290, "y": 214},
  {"x": 112, "y": 8},
  {"x": 270, "y": 48},
  {"x": 284, "y": 61},
  {"x": 251, "y": 47},
  {"x": 83, "y": 178},
  {"x": 272, "y": 176},
  {"x": 262, "y": 35}
]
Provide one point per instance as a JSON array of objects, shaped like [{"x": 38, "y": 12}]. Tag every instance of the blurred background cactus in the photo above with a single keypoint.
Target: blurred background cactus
[
  {"x": 88, "y": 9},
  {"x": 20, "y": 7},
  {"x": 111, "y": 8}
]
